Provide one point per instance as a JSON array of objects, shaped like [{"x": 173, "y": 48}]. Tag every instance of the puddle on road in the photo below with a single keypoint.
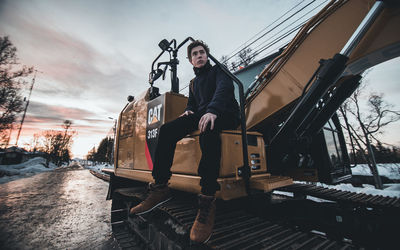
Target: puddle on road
[
  {"x": 78, "y": 188},
  {"x": 55, "y": 210}
]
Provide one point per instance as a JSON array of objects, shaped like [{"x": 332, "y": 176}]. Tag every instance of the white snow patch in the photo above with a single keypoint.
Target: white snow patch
[
  {"x": 389, "y": 170},
  {"x": 390, "y": 190},
  {"x": 97, "y": 167},
  {"x": 289, "y": 194},
  {"x": 31, "y": 167}
]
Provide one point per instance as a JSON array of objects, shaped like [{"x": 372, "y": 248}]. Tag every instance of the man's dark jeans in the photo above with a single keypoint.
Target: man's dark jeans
[{"x": 210, "y": 144}]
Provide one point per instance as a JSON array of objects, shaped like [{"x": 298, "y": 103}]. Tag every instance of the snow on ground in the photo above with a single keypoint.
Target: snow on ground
[
  {"x": 390, "y": 190},
  {"x": 37, "y": 165},
  {"x": 389, "y": 170},
  {"x": 31, "y": 167},
  {"x": 96, "y": 166}
]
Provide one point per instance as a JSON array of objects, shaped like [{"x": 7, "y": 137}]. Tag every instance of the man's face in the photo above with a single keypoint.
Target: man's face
[{"x": 199, "y": 56}]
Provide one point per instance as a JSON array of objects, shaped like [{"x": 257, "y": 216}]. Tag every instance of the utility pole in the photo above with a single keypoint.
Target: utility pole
[{"x": 26, "y": 107}]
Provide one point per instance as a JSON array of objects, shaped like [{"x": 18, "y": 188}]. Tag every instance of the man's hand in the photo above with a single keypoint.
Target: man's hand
[
  {"x": 187, "y": 112},
  {"x": 205, "y": 119}
]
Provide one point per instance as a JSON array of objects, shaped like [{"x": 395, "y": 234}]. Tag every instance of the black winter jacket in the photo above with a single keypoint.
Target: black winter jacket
[{"x": 212, "y": 92}]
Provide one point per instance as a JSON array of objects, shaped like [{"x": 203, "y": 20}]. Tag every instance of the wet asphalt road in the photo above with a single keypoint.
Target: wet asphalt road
[{"x": 61, "y": 209}]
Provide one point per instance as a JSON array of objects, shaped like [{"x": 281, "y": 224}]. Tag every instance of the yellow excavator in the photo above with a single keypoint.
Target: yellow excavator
[{"x": 289, "y": 129}]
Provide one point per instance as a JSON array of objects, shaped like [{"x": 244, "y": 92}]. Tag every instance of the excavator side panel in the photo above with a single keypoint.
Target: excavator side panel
[
  {"x": 188, "y": 154},
  {"x": 137, "y": 136}
]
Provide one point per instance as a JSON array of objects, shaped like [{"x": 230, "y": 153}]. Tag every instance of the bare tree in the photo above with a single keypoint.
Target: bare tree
[
  {"x": 224, "y": 61},
  {"x": 366, "y": 126},
  {"x": 57, "y": 144},
  {"x": 11, "y": 82},
  {"x": 233, "y": 66},
  {"x": 245, "y": 57}
]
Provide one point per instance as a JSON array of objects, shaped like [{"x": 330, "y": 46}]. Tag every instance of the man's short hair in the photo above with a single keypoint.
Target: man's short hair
[{"x": 195, "y": 44}]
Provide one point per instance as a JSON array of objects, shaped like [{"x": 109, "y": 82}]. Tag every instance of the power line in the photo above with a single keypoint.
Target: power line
[
  {"x": 275, "y": 41},
  {"x": 259, "y": 50},
  {"x": 292, "y": 24},
  {"x": 184, "y": 87},
  {"x": 271, "y": 30},
  {"x": 266, "y": 27},
  {"x": 280, "y": 38}
]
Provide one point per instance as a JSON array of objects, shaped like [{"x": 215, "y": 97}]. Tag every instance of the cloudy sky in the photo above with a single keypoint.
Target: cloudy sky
[{"x": 93, "y": 54}]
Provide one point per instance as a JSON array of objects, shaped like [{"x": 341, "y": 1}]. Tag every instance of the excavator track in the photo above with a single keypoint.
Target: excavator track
[
  {"x": 236, "y": 226},
  {"x": 343, "y": 197},
  {"x": 341, "y": 220}
]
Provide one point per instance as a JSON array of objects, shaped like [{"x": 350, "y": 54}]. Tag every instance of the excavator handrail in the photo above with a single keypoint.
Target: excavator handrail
[{"x": 245, "y": 170}]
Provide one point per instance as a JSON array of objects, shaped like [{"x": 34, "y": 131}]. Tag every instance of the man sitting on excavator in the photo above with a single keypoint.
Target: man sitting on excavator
[{"x": 211, "y": 108}]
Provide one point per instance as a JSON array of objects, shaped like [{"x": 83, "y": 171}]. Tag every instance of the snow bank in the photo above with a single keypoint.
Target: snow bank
[
  {"x": 391, "y": 190},
  {"x": 389, "y": 170},
  {"x": 96, "y": 167},
  {"x": 31, "y": 167}
]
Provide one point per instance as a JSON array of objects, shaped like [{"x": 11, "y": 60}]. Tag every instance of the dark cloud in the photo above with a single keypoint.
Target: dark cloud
[
  {"x": 73, "y": 69},
  {"x": 45, "y": 116},
  {"x": 48, "y": 112},
  {"x": 42, "y": 116}
]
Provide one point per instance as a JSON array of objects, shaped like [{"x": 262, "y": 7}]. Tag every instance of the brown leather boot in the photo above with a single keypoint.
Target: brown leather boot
[
  {"x": 204, "y": 223},
  {"x": 158, "y": 194}
]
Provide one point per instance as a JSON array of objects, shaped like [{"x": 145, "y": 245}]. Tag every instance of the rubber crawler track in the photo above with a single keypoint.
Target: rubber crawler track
[
  {"x": 347, "y": 197},
  {"x": 168, "y": 227}
]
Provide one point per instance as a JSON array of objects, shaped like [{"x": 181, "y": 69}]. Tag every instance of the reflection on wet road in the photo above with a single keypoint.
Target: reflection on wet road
[{"x": 62, "y": 209}]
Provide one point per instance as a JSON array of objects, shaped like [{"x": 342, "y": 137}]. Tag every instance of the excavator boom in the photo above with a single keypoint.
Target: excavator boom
[{"x": 326, "y": 34}]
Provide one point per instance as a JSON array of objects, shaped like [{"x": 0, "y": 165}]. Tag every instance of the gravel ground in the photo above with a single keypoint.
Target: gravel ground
[{"x": 61, "y": 209}]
